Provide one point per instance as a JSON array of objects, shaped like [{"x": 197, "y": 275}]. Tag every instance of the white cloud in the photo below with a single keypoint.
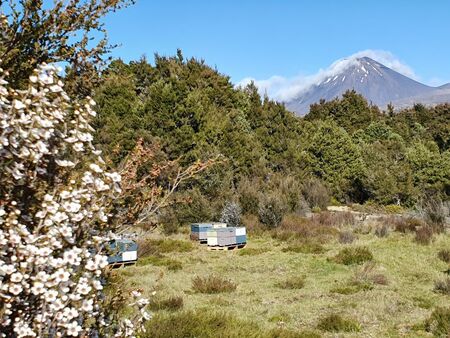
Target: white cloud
[{"x": 284, "y": 89}]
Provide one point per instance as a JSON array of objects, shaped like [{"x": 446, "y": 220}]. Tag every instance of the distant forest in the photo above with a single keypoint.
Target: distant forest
[{"x": 343, "y": 151}]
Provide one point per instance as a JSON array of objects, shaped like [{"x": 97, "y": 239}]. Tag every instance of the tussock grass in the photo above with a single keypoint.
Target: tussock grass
[
  {"x": 442, "y": 286},
  {"x": 212, "y": 284},
  {"x": 353, "y": 255},
  {"x": 444, "y": 255},
  {"x": 337, "y": 323},
  {"x": 173, "y": 303},
  {"x": 368, "y": 274},
  {"x": 346, "y": 237},
  {"x": 294, "y": 282},
  {"x": 424, "y": 235},
  {"x": 439, "y": 322},
  {"x": 405, "y": 225}
]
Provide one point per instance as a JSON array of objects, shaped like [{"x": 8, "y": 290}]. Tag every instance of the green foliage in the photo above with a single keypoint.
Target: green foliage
[
  {"x": 337, "y": 160},
  {"x": 35, "y": 32},
  {"x": 344, "y": 150},
  {"x": 431, "y": 168},
  {"x": 352, "y": 111}
]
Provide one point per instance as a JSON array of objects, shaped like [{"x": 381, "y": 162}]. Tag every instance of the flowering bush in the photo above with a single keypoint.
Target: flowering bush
[{"x": 54, "y": 198}]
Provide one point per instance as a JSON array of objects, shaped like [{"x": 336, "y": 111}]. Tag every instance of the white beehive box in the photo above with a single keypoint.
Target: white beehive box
[{"x": 240, "y": 231}]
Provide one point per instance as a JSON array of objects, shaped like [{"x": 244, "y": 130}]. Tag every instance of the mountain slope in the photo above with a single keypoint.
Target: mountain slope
[{"x": 376, "y": 82}]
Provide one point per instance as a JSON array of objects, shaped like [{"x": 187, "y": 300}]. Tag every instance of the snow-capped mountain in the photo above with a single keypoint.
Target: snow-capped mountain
[{"x": 379, "y": 84}]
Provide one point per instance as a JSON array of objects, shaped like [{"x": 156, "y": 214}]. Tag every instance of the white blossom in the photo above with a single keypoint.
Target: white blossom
[
  {"x": 50, "y": 263},
  {"x": 65, "y": 163}
]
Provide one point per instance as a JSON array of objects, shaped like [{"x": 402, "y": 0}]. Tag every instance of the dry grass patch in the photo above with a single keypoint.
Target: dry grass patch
[
  {"x": 212, "y": 284},
  {"x": 346, "y": 237},
  {"x": 405, "y": 224},
  {"x": 424, "y": 235},
  {"x": 334, "y": 219},
  {"x": 298, "y": 228}
]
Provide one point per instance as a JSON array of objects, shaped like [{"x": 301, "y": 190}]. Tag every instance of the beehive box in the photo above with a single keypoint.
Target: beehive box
[
  {"x": 221, "y": 237},
  {"x": 198, "y": 231},
  {"x": 122, "y": 251},
  {"x": 240, "y": 231},
  {"x": 241, "y": 239}
]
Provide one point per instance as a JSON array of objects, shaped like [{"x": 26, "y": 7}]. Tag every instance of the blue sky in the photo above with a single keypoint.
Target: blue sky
[{"x": 288, "y": 39}]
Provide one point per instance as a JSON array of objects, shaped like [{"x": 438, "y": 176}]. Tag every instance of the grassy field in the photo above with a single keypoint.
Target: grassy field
[{"x": 281, "y": 292}]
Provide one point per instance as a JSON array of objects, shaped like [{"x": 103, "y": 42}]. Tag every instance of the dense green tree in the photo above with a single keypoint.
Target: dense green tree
[
  {"x": 337, "y": 160},
  {"x": 351, "y": 112},
  {"x": 194, "y": 112}
]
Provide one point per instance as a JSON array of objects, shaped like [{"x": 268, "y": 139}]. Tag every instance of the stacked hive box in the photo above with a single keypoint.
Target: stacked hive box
[
  {"x": 122, "y": 251},
  {"x": 226, "y": 236},
  {"x": 221, "y": 237},
  {"x": 241, "y": 235},
  {"x": 199, "y": 230}
]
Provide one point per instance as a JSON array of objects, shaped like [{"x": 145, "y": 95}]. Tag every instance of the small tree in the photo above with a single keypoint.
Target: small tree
[
  {"x": 149, "y": 184},
  {"x": 271, "y": 210},
  {"x": 54, "y": 204}
]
